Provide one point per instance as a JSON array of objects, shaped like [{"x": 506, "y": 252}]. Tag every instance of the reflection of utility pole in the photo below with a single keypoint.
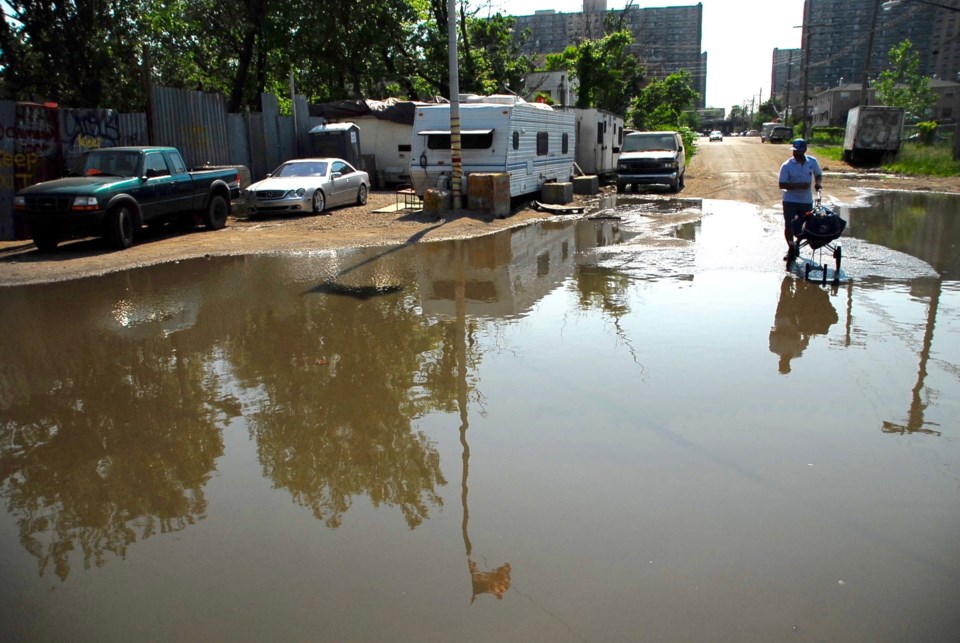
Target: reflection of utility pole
[
  {"x": 915, "y": 421},
  {"x": 495, "y": 582}
]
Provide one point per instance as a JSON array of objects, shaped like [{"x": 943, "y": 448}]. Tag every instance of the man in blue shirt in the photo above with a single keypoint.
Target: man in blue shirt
[{"x": 797, "y": 174}]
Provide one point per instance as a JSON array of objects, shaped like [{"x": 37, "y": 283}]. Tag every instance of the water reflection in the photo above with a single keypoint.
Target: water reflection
[
  {"x": 612, "y": 427},
  {"x": 803, "y": 311}
]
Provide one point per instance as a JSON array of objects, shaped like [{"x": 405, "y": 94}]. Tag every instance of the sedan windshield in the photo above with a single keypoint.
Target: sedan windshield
[
  {"x": 648, "y": 143},
  {"x": 302, "y": 169}
]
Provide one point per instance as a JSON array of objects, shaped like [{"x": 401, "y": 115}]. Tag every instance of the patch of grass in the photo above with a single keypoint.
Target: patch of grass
[
  {"x": 913, "y": 160},
  {"x": 924, "y": 160}
]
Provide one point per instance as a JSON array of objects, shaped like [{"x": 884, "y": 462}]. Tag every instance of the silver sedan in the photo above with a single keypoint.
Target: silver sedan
[{"x": 308, "y": 185}]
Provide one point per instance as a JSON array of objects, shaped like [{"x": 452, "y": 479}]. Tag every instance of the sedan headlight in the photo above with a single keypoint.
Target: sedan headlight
[
  {"x": 85, "y": 203},
  {"x": 296, "y": 193}
]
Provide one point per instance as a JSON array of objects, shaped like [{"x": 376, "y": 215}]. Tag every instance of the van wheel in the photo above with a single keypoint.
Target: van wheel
[
  {"x": 682, "y": 176},
  {"x": 675, "y": 186},
  {"x": 215, "y": 216},
  {"x": 45, "y": 240},
  {"x": 620, "y": 188},
  {"x": 120, "y": 227}
]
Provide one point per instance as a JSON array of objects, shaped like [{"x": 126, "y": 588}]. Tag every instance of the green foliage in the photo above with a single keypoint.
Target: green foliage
[
  {"x": 901, "y": 85},
  {"x": 608, "y": 74},
  {"x": 927, "y": 131},
  {"x": 662, "y": 102},
  {"x": 494, "y": 59},
  {"x": 827, "y": 135}
]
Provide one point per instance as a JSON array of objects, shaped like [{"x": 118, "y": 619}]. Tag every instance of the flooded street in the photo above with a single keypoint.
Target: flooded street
[{"x": 632, "y": 427}]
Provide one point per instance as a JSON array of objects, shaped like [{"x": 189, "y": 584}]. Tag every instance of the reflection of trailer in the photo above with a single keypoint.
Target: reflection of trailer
[
  {"x": 531, "y": 142},
  {"x": 599, "y": 135}
]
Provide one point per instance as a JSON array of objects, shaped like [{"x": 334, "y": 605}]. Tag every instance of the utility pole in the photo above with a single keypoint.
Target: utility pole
[
  {"x": 456, "y": 162},
  {"x": 864, "y": 100},
  {"x": 805, "y": 52}
]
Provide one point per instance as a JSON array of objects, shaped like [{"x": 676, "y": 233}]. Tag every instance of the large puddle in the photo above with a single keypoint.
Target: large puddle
[{"x": 636, "y": 427}]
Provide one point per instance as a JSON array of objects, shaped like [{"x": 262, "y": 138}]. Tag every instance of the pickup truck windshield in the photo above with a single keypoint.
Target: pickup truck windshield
[
  {"x": 649, "y": 144},
  {"x": 111, "y": 163}
]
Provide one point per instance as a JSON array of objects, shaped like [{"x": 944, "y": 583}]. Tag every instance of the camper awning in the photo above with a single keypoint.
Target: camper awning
[{"x": 446, "y": 132}]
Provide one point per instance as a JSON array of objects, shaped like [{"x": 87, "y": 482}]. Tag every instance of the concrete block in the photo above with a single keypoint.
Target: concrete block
[
  {"x": 489, "y": 192},
  {"x": 437, "y": 202},
  {"x": 557, "y": 193},
  {"x": 586, "y": 184}
]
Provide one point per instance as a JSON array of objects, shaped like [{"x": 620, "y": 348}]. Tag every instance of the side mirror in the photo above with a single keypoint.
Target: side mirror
[
  {"x": 616, "y": 149},
  {"x": 336, "y": 175}
]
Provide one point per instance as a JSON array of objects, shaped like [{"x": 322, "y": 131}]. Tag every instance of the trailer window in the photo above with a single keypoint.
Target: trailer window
[
  {"x": 403, "y": 147},
  {"x": 516, "y": 140},
  {"x": 600, "y": 131},
  {"x": 543, "y": 143},
  {"x": 467, "y": 141},
  {"x": 565, "y": 145}
]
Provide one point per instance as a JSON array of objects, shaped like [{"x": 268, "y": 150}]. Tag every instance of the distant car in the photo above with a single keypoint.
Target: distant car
[
  {"x": 308, "y": 185},
  {"x": 716, "y": 135},
  {"x": 752, "y": 132},
  {"x": 780, "y": 134}
]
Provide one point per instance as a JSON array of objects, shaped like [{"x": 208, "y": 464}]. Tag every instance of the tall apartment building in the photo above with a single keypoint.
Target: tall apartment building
[
  {"x": 666, "y": 39},
  {"x": 787, "y": 73},
  {"x": 837, "y": 33}
]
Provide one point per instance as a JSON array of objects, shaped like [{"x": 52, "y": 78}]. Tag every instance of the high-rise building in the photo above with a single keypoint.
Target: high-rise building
[
  {"x": 785, "y": 80},
  {"x": 666, "y": 39},
  {"x": 837, "y": 33}
]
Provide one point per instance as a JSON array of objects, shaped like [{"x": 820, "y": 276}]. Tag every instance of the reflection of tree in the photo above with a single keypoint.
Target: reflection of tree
[
  {"x": 341, "y": 380},
  {"x": 804, "y": 310},
  {"x": 103, "y": 440}
]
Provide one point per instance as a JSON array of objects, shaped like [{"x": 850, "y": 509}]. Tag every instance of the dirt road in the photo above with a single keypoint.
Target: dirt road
[{"x": 739, "y": 169}]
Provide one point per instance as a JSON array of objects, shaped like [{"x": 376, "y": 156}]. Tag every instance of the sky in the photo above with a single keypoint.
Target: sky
[{"x": 739, "y": 37}]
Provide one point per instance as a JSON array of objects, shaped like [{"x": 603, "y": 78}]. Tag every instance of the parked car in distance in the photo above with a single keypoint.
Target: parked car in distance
[
  {"x": 651, "y": 158},
  {"x": 116, "y": 190},
  {"x": 780, "y": 134},
  {"x": 716, "y": 135},
  {"x": 308, "y": 185},
  {"x": 752, "y": 132}
]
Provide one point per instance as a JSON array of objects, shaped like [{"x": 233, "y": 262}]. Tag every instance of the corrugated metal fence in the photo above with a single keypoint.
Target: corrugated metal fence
[{"x": 38, "y": 142}]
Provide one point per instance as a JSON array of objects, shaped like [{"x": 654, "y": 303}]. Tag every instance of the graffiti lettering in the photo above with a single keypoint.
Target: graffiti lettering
[
  {"x": 86, "y": 129},
  {"x": 20, "y": 160}
]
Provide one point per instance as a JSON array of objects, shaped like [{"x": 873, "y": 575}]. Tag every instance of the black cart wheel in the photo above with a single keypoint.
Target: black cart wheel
[{"x": 837, "y": 255}]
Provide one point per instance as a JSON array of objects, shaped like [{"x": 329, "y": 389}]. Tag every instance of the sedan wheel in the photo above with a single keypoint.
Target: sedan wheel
[
  {"x": 362, "y": 195},
  {"x": 318, "y": 202}
]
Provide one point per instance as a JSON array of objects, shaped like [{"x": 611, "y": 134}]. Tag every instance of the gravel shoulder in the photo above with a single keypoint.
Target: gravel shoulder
[{"x": 735, "y": 169}]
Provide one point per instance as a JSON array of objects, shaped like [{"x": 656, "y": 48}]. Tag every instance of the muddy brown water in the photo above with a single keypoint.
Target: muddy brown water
[{"x": 636, "y": 427}]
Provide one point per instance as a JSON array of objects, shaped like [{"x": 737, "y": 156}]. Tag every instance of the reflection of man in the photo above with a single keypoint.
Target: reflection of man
[
  {"x": 797, "y": 174},
  {"x": 804, "y": 310}
]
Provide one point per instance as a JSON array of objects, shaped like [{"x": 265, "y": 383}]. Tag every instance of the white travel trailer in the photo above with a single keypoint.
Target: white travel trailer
[
  {"x": 532, "y": 142},
  {"x": 599, "y": 136}
]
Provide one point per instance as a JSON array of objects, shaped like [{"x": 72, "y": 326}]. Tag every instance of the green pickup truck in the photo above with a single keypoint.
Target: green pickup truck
[{"x": 119, "y": 189}]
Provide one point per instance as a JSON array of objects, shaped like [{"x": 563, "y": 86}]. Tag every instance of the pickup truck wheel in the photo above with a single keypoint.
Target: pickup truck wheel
[
  {"x": 215, "y": 217},
  {"x": 362, "y": 195},
  {"x": 120, "y": 227},
  {"x": 318, "y": 202},
  {"x": 45, "y": 240}
]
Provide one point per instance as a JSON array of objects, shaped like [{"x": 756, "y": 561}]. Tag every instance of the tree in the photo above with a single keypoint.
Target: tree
[
  {"x": 901, "y": 85},
  {"x": 495, "y": 58},
  {"x": 662, "y": 102},
  {"x": 609, "y": 75}
]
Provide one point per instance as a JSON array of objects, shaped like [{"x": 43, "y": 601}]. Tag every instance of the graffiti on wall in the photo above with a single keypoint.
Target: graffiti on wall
[{"x": 90, "y": 129}]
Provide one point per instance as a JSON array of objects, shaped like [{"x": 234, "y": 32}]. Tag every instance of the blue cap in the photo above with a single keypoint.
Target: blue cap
[{"x": 800, "y": 145}]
